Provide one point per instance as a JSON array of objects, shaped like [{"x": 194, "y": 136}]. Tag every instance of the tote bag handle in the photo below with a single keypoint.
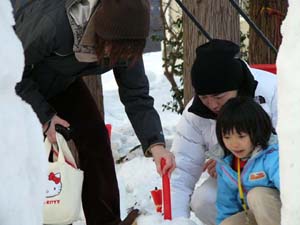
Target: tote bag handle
[{"x": 61, "y": 149}]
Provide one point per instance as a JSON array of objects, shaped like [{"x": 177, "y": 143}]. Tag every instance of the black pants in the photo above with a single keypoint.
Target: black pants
[{"x": 100, "y": 194}]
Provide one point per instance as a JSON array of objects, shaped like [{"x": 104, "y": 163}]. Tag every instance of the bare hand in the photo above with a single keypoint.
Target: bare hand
[
  {"x": 159, "y": 152},
  {"x": 210, "y": 166},
  {"x": 51, "y": 133}
]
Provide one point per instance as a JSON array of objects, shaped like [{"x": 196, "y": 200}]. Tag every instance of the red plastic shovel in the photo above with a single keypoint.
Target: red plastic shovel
[{"x": 166, "y": 193}]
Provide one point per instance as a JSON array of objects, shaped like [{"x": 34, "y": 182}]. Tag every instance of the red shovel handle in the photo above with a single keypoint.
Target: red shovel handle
[{"x": 166, "y": 193}]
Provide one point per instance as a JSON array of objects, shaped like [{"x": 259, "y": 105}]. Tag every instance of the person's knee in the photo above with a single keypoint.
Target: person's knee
[
  {"x": 202, "y": 199},
  {"x": 265, "y": 204},
  {"x": 203, "y": 202},
  {"x": 259, "y": 196},
  {"x": 254, "y": 195},
  {"x": 226, "y": 222},
  {"x": 240, "y": 218}
]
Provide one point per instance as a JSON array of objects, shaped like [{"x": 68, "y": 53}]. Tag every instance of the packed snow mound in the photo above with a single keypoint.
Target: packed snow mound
[
  {"x": 23, "y": 162},
  {"x": 6, "y": 14},
  {"x": 288, "y": 113},
  {"x": 11, "y": 54}
]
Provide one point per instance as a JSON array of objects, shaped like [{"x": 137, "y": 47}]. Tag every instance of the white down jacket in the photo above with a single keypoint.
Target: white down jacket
[{"x": 195, "y": 135}]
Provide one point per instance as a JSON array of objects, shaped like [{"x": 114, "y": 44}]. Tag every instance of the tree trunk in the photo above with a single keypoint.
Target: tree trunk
[
  {"x": 218, "y": 18},
  {"x": 268, "y": 16}
]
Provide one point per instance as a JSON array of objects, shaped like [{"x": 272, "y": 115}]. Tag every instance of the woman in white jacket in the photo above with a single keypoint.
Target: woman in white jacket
[{"x": 217, "y": 75}]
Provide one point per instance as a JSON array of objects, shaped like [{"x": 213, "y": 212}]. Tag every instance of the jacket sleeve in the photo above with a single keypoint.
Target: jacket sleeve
[
  {"x": 134, "y": 94},
  {"x": 188, "y": 149},
  {"x": 267, "y": 87},
  {"x": 271, "y": 164},
  {"x": 37, "y": 45},
  {"x": 226, "y": 203},
  {"x": 274, "y": 113}
]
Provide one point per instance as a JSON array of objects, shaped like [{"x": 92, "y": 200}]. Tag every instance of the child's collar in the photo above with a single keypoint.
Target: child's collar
[
  {"x": 272, "y": 140},
  {"x": 256, "y": 150}
]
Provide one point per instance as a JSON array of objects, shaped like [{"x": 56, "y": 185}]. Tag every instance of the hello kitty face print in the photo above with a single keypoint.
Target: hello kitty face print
[{"x": 54, "y": 185}]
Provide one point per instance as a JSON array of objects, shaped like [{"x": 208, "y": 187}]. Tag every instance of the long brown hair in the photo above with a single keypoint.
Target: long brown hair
[{"x": 124, "y": 49}]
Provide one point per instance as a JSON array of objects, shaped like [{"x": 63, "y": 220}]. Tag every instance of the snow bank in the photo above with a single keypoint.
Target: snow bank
[
  {"x": 23, "y": 162},
  {"x": 289, "y": 114}
]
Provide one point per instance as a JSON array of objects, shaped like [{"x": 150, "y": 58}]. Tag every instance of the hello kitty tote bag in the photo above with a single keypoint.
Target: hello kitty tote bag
[{"x": 63, "y": 195}]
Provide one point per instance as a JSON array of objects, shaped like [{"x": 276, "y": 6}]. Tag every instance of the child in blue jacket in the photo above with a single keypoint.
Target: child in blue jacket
[{"x": 248, "y": 175}]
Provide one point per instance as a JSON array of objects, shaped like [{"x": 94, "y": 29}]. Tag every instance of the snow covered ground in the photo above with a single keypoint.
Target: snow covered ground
[
  {"x": 123, "y": 137},
  {"x": 137, "y": 175}
]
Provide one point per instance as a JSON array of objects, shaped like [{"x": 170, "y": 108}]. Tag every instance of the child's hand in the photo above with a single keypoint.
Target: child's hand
[{"x": 210, "y": 166}]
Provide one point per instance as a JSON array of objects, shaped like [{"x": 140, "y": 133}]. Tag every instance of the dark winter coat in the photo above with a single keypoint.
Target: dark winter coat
[{"x": 51, "y": 66}]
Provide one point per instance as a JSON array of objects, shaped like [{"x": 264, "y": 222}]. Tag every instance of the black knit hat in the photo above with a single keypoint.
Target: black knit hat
[
  {"x": 216, "y": 68},
  {"x": 123, "y": 19}
]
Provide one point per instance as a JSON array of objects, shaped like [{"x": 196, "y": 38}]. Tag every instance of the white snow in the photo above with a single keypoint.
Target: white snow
[
  {"x": 288, "y": 114},
  {"x": 23, "y": 161}
]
